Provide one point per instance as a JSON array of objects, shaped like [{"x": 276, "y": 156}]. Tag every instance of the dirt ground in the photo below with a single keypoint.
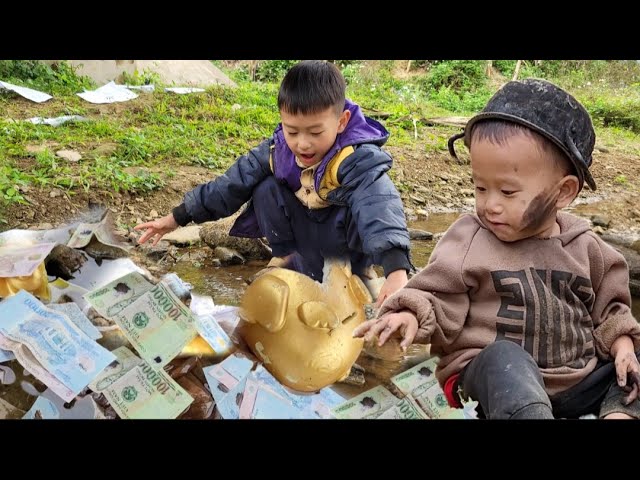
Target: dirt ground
[{"x": 429, "y": 182}]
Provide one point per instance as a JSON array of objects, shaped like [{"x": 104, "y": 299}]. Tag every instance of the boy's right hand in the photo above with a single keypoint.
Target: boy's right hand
[
  {"x": 157, "y": 228},
  {"x": 405, "y": 321}
]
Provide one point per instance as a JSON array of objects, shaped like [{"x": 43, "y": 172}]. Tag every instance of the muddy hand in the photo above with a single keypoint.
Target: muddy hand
[
  {"x": 394, "y": 282},
  {"x": 403, "y": 322},
  {"x": 634, "y": 380},
  {"x": 157, "y": 228},
  {"x": 364, "y": 328}
]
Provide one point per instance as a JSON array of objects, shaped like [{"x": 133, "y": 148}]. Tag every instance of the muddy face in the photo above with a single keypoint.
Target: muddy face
[
  {"x": 517, "y": 188},
  {"x": 537, "y": 215}
]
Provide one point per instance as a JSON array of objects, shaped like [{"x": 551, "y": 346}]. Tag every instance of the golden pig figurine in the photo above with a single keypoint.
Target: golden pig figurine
[
  {"x": 301, "y": 329},
  {"x": 36, "y": 283}
]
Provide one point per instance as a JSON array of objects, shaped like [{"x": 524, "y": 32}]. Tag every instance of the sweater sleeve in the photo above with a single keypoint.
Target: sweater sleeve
[
  {"x": 611, "y": 313},
  {"x": 438, "y": 295}
]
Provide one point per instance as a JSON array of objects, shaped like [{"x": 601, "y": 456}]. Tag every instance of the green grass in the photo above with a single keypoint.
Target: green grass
[{"x": 213, "y": 128}]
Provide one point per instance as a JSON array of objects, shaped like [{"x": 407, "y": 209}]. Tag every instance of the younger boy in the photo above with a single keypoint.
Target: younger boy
[
  {"x": 528, "y": 309},
  {"x": 318, "y": 187}
]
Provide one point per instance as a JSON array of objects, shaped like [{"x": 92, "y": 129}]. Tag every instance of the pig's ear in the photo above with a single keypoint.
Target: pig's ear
[
  {"x": 265, "y": 302},
  {"x": 359, "y": 290}
]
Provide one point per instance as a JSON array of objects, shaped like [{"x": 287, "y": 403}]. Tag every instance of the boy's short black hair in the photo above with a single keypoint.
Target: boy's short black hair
[
  {"x": 312, "y": 86},
  {"x": 548, "y": 110}
]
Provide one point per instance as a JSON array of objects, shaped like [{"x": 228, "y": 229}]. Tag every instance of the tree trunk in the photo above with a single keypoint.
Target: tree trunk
[
  {"x": 516, "y": 72},
  {"x": 253, "y": 68}
]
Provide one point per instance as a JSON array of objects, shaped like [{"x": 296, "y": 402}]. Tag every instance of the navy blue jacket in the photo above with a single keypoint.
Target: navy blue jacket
[{"x": 353, "y": 174}]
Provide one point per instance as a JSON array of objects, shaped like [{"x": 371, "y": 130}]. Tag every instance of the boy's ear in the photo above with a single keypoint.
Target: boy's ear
[
  {"x": 343, "y": 120},
  {"x": 569, "y": 189}
]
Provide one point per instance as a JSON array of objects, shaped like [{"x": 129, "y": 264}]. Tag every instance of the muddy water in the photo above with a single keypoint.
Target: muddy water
[
  {"x": 226, "y": 284},
  {"x": 435, "y": 223}
]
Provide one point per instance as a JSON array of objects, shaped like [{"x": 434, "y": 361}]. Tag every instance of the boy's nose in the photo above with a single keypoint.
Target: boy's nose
[
  {"x": 304, "y": 144},
  {"x": 493, "y": 205}
]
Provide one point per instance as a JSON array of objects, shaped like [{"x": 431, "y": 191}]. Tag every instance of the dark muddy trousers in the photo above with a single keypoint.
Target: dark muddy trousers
[
  {"x": 507, "y": 383},
  {"x": 312, "y": 235}
]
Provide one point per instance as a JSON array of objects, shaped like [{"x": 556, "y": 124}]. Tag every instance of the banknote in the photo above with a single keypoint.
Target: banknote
[
  {"x": 67, "y": 291},
  {"x": 229, "y": 405},
  {"x": 104, "y": 233},
  {"x": 405, "y": 409},
  {"x": 92, "y": 276},
  {"x": 201, "y": 304},
  {"x": 82, "y": 235},
  {"x": 158, "y": 325},
  {"x": 370, "y": 404},
  {"x": 125, "y": 361},
  {"x": 73, "y": 312},
  {"x": 224, "y": 376},
  {"x": 18, "y": 261},
  {"x": 420, "y": 382},
  {"x": 49, "y": 406},
  {"x": 226, "y": 315},
  {"x": 309, "y": 405},
  {"x": 432, "y": 400},
  {"x": 42, "y": 409},
  {"x": 30, "y": 363},
  {"x": 260, "y": 402},
  {"x": 227, "y": 381},
  {"x": 146, "y": 393},
  {"x": 179, "y": 287},
  {"x": 6, "y": 355},
  {"x": 30, "y": 237},
  {"x": 110, "y": 299},
  {"x": 421, "y": 374},
  {"x": 56, "y": 343},
  {"x": 85, "y": 232},
  {"x": 228, "y": 318},
  {"x": 316, "y": 405},
  {"x": 208, "y": 328}
]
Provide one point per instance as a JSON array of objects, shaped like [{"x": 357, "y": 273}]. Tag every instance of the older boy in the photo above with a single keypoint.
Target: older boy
[{"x": 318, "y": 187}]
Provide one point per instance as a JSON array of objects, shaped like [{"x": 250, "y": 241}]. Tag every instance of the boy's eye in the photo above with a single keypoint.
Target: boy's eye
[
  {"x": 292, "y": 133},
  {"x": 480, "y": 189},
  {"x": 508, "y": 192},
  {"x": 315, "y": 134}
]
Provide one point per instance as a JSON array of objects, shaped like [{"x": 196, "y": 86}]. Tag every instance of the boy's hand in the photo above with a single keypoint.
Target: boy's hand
[
  {"x": 627, "y": 367},
  {"x": 158, "y": 228},
  {"x": 406, "y": 322},
  {"x": 394, "y": 282}
]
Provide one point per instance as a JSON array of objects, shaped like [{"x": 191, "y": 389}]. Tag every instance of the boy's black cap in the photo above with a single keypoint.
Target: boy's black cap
[{"x": 548, "y": 110}]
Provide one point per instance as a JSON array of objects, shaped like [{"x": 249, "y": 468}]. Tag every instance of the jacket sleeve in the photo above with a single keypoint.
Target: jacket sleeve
[
  {"x": 611, "y": 312},
  {"x": 376, "y": 208},
  {"x": 225, "y": 195},
  {"x": 438, "y": 295}
]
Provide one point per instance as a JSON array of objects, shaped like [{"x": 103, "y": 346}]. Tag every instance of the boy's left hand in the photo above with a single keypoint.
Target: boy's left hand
[
  {"x": 394, "y": 282},
  {"x": 627, "y": 367}
]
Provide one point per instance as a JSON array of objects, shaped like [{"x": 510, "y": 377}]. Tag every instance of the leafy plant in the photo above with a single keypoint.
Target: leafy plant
[
  {"x": 273, "y": 70},
  {"x": 54, "y": 78},
  {"x": 146, "y": 77}
]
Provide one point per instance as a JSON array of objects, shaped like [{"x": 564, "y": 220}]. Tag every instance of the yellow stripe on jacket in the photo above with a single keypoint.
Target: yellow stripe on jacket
[{"x": 329, "y": 181}]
